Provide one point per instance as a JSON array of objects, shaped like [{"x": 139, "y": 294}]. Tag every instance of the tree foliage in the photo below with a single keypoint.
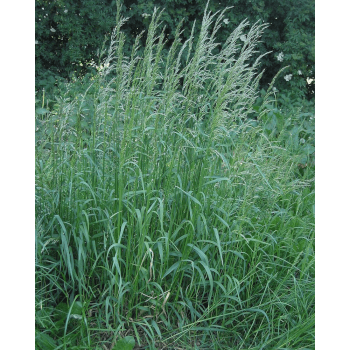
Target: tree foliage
[{"x": 69, "y": 33}]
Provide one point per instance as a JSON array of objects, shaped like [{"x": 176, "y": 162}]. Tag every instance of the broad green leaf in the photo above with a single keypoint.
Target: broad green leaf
[
  {"x": 126, "y": 343},
  {"x": 44, "y": 341},
  {"x": 76, "y": 310},
  {"x": 41, "y": 111},
  {"x": 62, "y": 308},
  {"x": 308, "y": 149}
]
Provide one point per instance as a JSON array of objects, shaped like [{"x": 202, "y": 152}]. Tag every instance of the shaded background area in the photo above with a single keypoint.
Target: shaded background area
[{"x": 70, "y": 35}]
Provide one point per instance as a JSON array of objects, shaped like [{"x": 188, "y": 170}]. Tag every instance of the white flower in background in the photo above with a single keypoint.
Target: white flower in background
[
  {"x": 288, "y": 77},
  {"x": 52, "y": 30},
  {"x": 280, "y": 56},
  {"x": 36, "y": 42},
  {"x": 243, "y": 38},
  {"x": 145, "y": 15},
  {"x": 225, "y": 20},
  {"x": 65, "y": 11},
  {"x": 300, "y": 72},
  {"x": 302, "y": 141}
]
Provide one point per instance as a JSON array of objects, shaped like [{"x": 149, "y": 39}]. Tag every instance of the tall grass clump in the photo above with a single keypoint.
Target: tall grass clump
[{"x": 163, "y": 213}]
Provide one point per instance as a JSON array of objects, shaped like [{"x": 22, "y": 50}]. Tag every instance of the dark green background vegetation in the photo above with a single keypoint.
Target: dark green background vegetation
[{"x": 70, "y": 33}]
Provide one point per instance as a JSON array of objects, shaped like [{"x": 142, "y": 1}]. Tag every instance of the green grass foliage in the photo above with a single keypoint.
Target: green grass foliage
[{"x": 175, "y": 216}]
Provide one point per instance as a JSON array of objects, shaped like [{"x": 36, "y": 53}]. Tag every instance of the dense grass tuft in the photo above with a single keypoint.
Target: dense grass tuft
[{"x": 166, "y": 212}]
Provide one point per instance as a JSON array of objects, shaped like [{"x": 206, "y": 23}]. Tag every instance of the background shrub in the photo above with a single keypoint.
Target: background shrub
[{"x": 70, "y": 34}]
